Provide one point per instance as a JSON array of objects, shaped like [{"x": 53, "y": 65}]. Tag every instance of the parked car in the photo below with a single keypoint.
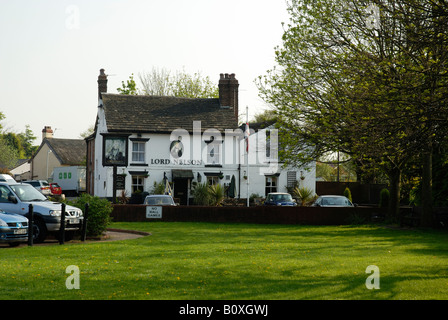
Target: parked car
[
  {"x": 16, "y": 198},
  {"x": 41, "y": 185},
  {"x": 332, "y": 201},
  {"x": 159, "y": 200},
  {"x": 7, "y": 178},
  {"x": 13, "y": 228},
  {"x": 279, "y": 199},
  {"x": 55, "y": 189}
]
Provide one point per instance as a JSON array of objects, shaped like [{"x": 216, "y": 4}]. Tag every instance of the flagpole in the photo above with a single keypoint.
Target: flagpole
[{"x": 247, "y": 156}]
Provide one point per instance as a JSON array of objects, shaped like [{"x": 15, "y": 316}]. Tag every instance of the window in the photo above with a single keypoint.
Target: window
[
  {"x": 213, "y": 154},
  {"x": 212, "y": 180},
  {"x": 4, "y": 194},
  {"x": 271, "y": 185},
  {"x": 138, "y": 151},
  {"x": 271, "y": 145},
  {"x": 137, "y": 183}
]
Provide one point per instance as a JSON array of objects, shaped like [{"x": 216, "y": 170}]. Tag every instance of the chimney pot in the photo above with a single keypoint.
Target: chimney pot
[
  {"x": 47, "y": 132},
  {"x": 102, "y": 83}
]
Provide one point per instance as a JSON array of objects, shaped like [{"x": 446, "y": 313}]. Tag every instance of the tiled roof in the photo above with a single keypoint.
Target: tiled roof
[
  {"x": 156, "y": 114},
  {"x": 68, "y": 151}
]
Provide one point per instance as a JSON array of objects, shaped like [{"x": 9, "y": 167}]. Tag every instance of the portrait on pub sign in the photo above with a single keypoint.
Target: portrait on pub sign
[{"x": 115, "y": 151}]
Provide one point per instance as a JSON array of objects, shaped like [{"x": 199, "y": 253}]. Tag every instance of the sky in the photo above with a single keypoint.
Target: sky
[{"x": 51, "y": 52}]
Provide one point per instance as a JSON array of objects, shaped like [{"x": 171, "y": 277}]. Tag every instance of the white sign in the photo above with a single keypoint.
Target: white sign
[{"x": 154, "y": 212}]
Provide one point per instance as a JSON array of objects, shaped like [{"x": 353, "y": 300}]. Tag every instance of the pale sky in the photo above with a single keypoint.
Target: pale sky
[{"x": 51, "y": 52}]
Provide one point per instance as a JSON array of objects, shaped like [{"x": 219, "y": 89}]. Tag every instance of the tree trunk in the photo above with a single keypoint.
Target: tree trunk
[
  {"x": 395, "y": 186},
  {"x": 426, "y": 220}
]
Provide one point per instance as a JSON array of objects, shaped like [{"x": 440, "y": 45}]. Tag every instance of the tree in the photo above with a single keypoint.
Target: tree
[
  {"x": 129, "y": 87},
  {"x": 161, "y": 82},
  {"x": 8, "y": 155},
  {"x": 363, "y": 78},
  {"x": 20, "y": 143},
  {"x": 27, "y": 138}
]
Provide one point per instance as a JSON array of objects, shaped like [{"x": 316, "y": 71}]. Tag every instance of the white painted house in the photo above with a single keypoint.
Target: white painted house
[{"x": 147, "y": 139}]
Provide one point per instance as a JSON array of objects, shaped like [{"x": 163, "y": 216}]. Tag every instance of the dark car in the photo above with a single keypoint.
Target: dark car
[
  {"x": 279, "y": 199},
  {"x": 332, "y": 201}
]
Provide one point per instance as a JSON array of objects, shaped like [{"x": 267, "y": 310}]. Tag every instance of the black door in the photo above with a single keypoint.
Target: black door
[{"x": 181, "y": 190}]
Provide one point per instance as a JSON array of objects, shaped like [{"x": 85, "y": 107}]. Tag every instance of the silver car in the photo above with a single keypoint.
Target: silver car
[
  {"x": 159, "y": 200},
  {"x": 13, "y": 228},
  {"x": 332, "y": 201}
]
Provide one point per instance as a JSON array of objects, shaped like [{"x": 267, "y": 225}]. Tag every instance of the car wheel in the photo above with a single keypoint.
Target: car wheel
[{"x": 39, "y": 231}]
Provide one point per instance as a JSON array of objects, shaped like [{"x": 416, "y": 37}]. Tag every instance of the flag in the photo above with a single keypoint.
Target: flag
[
  {"x": 168, "y": 190},
  {"x": 246, "y": 136}
]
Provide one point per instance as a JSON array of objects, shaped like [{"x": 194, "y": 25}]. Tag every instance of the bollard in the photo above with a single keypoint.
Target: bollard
[
  {"x": 30, "y": 225},
  {"x": 84, "y": 222},
  {"x": 62, "y": 228}
]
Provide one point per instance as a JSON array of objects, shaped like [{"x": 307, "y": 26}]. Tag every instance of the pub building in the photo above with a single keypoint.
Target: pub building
[{"x": 140, "y": 140}]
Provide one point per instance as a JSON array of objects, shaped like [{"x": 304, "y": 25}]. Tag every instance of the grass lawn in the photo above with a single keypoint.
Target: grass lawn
[{"x": 211, "y": 261}]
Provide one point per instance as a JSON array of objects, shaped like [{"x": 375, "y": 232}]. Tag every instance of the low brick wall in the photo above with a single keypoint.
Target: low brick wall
[{"x": 257, "y": 214}]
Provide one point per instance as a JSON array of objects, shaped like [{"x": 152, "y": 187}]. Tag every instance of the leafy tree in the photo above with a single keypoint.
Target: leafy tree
[
  {"x": 27, "y": 139},
  {"x": 129, "y": 88},
  {"x": 8, "y": 155},
  {"x": 361, "y": 77},
  {"x": 162, "y": 82}
]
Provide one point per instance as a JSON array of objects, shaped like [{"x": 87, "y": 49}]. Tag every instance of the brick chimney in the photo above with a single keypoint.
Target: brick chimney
[
  {"x": 102, "y": 83},
  {"x": 228, "y": 91},
  {"x": 47, "y": 132}
]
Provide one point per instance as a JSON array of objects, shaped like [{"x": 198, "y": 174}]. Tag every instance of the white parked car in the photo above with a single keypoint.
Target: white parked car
[
  {"x": 16, "y": 198},
  {"x": 41, "y": 185}
]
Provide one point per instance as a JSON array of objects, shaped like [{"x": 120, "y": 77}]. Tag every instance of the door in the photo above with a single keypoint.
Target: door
[{"x": 181, "y": 190}]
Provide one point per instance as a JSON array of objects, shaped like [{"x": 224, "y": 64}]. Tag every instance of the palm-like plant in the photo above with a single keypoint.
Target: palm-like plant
[{"x": 305, "y": 195}]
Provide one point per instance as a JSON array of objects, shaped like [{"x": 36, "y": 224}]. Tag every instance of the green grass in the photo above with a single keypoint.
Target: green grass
[{"x": 235, "y": 261}]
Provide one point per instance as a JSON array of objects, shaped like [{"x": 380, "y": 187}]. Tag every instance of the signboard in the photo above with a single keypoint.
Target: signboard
[
  {"x": 120, "y": 182},
  {"x": 154, "y": 212},
  {"x": 115, "y": 150}
]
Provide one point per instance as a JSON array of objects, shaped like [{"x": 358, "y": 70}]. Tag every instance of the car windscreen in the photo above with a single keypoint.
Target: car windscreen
[
  {"x": 280, "y": 197},
  {"x": 26, "y": 192},
  {"x": 336, "y": 201},
  {"x": 158, "y": 201}
]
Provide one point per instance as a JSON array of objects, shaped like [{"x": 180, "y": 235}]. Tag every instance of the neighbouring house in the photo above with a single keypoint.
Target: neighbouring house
[
  {"x": 22, "y": 170},
  {"x": 56, "y": 152},
  {"x": 142, "y": 140}
]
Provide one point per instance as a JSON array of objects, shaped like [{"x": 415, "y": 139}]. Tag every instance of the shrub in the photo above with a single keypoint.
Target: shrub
[
  {"x": 216, "y": 193},
  {"x": 348, "y": 194},
  {"x": 304, "y": 195},
  {"x": 201, "y": 194},
  {"x": 99, "y": 213},
  {"x": 384, "y": 198},
  {"x": 158, "y": 188}
]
